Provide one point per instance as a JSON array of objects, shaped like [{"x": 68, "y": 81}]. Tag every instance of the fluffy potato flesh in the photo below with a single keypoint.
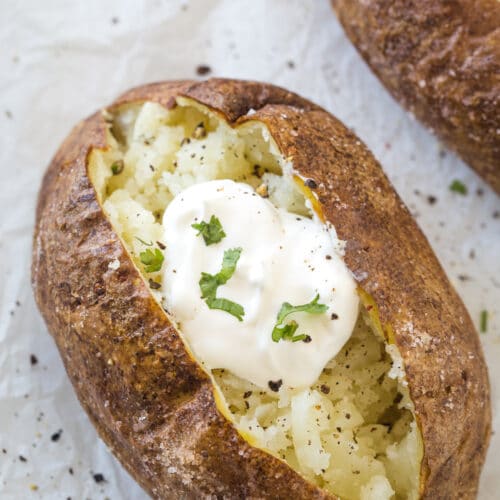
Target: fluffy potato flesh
[{"x": 353, "y": 432}]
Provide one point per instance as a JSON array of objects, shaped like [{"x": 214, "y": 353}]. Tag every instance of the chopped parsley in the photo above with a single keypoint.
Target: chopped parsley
[
  {"x": 228, "y": 306},
  {"x": 211, "y": 231},
  {"x": 483, "y": 324},
  {"x": 210, "y": 282},
  {"x": 150, "y": 244},
  {"x": 286, "y": 331},
  {"x": 152, "y": 260},
  {"x": 458, "y": 187},
  {"x": 117, "y": 167}
]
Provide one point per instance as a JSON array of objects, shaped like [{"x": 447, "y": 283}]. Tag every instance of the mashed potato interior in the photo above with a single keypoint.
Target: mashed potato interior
[{"x": 353, "y": 432}]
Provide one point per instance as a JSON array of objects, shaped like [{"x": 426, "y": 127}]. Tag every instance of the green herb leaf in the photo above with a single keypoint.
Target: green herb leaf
[
  {"x": 284, "y": 332},
  {"x": 212, "y": 231},
  {"x": 297, "y": 338},
  {"x": 312, "y": 308},
  {"x": 150, "y": 244},
  {"x": 483, "y": 326},
  {"x": 458, "y": 187},
  {"x": 287, "y": 331},
  {"x": 208, "y": 285},
  {"x": 229, "y": 262},
  {"x": 117, "y": 167},
  {"x": 226, "y": 305},
  {"x": 210, "y": 282},
  {"x": 152, "y": 260}
]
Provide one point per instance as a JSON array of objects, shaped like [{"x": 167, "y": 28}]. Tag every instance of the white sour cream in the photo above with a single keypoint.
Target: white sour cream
[{"x": 284, "y": 258}]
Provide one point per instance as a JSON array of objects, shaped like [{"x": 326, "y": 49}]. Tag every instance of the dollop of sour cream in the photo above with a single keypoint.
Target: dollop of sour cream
[{"x": 284, "y": 258}]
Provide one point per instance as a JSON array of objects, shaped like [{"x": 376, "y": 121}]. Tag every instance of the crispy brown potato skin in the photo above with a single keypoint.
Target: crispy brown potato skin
[
  {"x": 151, "y": 402},
  {"x": 441, "y": 60}
]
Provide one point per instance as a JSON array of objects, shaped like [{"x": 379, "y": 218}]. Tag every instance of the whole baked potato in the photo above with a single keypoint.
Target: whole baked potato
[
  {"x": 441, "y": 60},
  {"x": 245, "y": 307}
]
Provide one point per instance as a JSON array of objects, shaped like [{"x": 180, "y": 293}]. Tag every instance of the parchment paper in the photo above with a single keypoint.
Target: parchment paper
[{"x": 61, "y": 60}]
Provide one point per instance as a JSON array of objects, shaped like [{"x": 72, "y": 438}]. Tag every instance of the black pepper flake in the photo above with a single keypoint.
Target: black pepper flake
[
  {"x": 496, "y": 214},
  {"x": 463, "y": 277},
  {"x": 99, "y": 478},
  {"x": 70, "y": 470},
  {"x": 307, "y": 339},
  {"x": 325, "y": 389},
  {"x": 247, "y": 394},
  {"x": 56, "y": 436},
  {"x": 328, "y": 257},
  {"x": 257, "y": 171},
  {"x": 4, "y": 451},
  {"x": 203, "y": 69},
  {"x": 334, "y": 316},
  {"x": 33, "y": 360},
  {"x": 247, "y": 406},
  {"x": 154, "y": 284},
  {"x": 348, "y": 416},
  {"x": 310, "y": 183},
  {"x": 151, "y": 167},
  {"x": 22, "y": 459},
  {"x": 161, "y": 245},
  {"x": 290, "y": 64},
  {"x": 431, "y": 199},
  {"x": 275, "y": 386}
]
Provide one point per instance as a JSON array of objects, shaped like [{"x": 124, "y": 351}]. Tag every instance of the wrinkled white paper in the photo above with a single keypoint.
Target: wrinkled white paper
[{"x": 61, "y": 60}]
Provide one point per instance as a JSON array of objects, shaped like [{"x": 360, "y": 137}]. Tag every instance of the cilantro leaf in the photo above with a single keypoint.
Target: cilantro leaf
[
  {"x": 287, "y": 331},
  {"x": 312, "y": 308},
  {"x": 458, "y": 187},
  {"x": 484, "y": 321},
  {"x": 284, "y": 332},
  {"x": 152, "y": 260},
  {"x": 212, "y": 231},
  {"x": 208, "y": 285},
  {"x": 229, "y": 262},
  {"x": 226, "y": 305},
  {"x": 210, "y": 282},
  {"x": 117, "y": 167},
  {"x": 150, "y": 244}
]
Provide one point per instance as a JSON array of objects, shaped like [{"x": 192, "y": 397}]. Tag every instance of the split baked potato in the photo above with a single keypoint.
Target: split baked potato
[
  {"x": 401, "y": 411},
  {"x": 441, "y": 60}
]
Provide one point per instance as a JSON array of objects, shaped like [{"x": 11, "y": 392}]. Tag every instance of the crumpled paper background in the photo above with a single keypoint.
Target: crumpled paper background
[{"x": 61, "y": 60}]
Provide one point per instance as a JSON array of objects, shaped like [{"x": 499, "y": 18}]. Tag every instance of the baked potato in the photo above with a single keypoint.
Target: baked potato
[
  {"x": 401, "y": 410},
  {"x": 441, "y": 60}
]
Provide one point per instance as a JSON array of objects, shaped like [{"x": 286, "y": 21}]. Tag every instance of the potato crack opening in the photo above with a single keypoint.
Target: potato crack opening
[{"x": 353, "y": 432}]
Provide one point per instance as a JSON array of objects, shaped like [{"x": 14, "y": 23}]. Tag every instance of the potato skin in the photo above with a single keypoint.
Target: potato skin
[
  {"x": 441, "y": 60},
  {"x": 151, "y": 402}
]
